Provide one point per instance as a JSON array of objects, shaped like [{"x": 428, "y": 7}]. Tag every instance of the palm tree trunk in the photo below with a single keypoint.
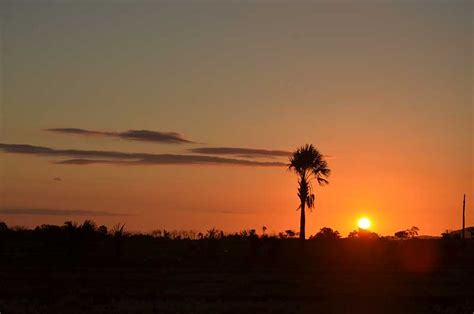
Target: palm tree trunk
[{"x": 302, "y": 221}]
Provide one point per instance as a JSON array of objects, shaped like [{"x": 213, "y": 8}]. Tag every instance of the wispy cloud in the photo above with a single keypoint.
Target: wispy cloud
[
  {"x": 134, "y": 135},
  {"x": 240, "y": 152},
  {"x": 56, "y": 212},
  {"x": 235, "y": 212},
  {"x": 226, "y": 211},
  {"x": 87, "y": 157}
]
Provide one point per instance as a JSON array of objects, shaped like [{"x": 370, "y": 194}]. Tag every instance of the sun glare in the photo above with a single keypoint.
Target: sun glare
[{"x": 364, "y": 223}]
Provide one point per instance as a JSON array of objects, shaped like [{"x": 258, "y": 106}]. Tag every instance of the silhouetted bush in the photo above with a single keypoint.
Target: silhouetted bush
[
  {"x": 448, "y": 235},
  {"x": 288, "y": 234},
  {"x": 214, "y": 234},
  {"x": 3, "y": 227},
  {"x": 102, "y": 230}
]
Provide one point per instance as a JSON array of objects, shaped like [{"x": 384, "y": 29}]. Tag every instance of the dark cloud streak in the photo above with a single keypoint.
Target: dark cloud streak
[
  {"x": 134, "y": 135},
  {"x": 56, "y": 212},
  {"x": 173, "y": 160},
  {"x": 240, "y": 152},
  {"x": 79, "y": 131},
  {"x": 86, "y": 157}
]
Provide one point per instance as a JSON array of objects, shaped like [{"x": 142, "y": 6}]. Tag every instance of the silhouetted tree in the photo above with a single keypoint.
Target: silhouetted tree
[
  {"x": 413, "y": 231},
  {"x": 409, "y": 233},
  {"x": 308, "y": 163},
  {"x": 326, "y": 233},
  {"x": 251, "y": 233},
  {"x": 401, "y": 234},
  {"x": 70, "y": 225},
  {"x": 287, "y": 234},
  {"x": 362, "y": 234},
  {"x": 88, "y": 227}
]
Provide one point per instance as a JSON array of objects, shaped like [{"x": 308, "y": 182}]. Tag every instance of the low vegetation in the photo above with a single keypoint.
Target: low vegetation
[{"x": 89, "y": 242}]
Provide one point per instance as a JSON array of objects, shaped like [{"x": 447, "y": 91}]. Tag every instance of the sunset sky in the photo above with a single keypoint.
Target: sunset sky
[{"x": 382, "y": 88}]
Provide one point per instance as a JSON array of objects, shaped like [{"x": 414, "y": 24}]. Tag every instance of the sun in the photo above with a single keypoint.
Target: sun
[{"x": 364, "y": 223}]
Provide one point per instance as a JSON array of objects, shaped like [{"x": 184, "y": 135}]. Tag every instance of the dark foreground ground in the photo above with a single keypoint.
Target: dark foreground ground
[
  {"x": 199, "y": 290},
  {"x": 250, "y": 275}
]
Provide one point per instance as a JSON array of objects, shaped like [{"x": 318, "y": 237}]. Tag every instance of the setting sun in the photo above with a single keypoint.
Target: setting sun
[{"x": 364, "y": 223}]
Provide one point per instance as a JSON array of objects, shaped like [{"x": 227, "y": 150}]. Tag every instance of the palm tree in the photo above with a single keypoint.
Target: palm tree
[{"x": 307, "y": 162}]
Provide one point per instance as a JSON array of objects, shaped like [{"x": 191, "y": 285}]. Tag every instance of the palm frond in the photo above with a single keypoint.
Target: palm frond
[
  {"x": 306, "y": 161},
  {"x": 310, "y": 201},
  {"x": 322, "y": 181}
]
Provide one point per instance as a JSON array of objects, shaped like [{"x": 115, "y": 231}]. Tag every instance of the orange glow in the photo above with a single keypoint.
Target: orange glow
[{"x": 383, "y": 131}]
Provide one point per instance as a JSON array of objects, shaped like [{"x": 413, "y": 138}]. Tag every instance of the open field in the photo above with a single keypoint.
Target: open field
[
  {"x": 201, "y": 290},
  {"x": 233, "y": 275}
]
